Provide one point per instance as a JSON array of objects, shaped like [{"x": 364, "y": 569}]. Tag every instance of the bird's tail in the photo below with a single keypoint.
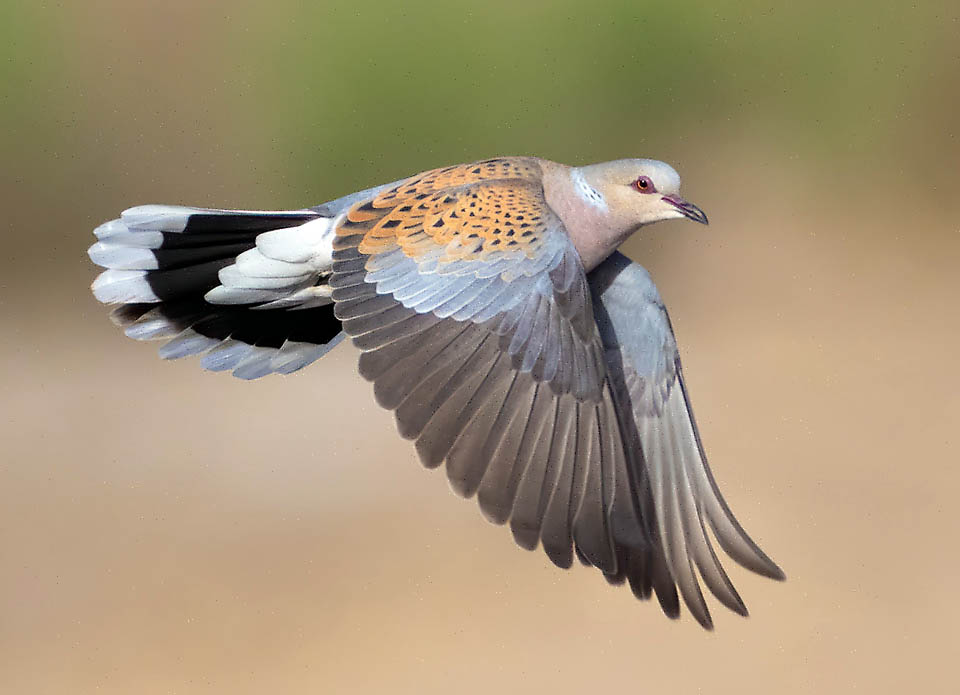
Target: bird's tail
[{"x": 245, "y": 289}]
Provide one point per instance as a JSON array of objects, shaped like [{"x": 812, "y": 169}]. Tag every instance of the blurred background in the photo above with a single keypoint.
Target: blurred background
[{"x": 167, "y": 530}]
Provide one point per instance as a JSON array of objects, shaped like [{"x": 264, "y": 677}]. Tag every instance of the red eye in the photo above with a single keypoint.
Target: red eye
[{"x": 644, "y": 185}]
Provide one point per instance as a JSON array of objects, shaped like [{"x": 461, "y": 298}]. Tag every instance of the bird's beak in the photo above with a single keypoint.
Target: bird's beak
[{"x": 687, "y": 209}]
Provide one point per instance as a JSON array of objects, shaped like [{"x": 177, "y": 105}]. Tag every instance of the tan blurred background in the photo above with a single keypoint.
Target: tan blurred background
[{"x": 166, "y": 530}]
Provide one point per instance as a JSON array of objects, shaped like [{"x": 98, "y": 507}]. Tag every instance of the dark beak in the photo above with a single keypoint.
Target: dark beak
[{"x": 689, "y": 210}]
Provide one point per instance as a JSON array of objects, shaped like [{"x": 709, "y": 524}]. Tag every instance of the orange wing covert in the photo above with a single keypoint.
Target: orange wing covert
[{"x": 471, "y": 210}]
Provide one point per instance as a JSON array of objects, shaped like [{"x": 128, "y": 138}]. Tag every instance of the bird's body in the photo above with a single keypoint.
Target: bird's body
[{"x": 497, "y": 320}]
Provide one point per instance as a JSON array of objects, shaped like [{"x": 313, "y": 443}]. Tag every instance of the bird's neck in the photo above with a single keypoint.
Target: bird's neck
[{"x": 583, "y": 211}]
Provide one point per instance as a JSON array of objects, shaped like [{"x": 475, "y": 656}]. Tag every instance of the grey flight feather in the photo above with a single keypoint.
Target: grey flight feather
[
  {"x": 558, "y": 398},
  {"x": 657, "y": 419}
]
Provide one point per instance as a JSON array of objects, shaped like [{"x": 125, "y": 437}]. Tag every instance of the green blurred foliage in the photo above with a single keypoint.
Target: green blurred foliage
[
  {"x": 337, "y": 96},
  {"x": 421, "y": 83},
  {"x": 29, "y": 58}
]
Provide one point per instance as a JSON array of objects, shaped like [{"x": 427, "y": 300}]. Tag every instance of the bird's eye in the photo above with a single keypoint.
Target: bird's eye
[{"x": 644, "y": 185}]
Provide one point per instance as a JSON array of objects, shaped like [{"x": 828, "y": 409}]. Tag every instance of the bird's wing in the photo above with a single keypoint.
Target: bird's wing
[
  {"x": 469, "y": 302},
  {"x": 679, "y": 497}
]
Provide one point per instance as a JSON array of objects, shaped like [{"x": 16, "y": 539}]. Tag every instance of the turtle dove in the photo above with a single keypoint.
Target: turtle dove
[{"x": 496, "y": 319}]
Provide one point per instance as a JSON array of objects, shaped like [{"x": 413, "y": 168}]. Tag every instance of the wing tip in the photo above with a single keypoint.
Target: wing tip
[
  {"x": 756, "y": 560},
  {"x": 524, "y": 535},
  {"x": 775, "y": 573},
  {"x": 559, "y": 555}
]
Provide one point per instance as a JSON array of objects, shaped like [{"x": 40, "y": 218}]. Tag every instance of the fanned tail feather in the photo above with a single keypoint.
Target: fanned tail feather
[{"x": 244, "y": 289}]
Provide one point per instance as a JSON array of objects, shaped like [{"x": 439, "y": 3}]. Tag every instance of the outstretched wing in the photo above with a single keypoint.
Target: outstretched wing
[
  {"x": 470, "y": 305},
  {"x": 678, "y": 493}
]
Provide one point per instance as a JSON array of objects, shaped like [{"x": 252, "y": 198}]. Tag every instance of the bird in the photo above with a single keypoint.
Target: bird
[{"x": 494, "y": 315}]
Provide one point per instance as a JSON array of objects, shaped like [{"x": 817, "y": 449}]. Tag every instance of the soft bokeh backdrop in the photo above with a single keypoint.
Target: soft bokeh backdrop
[{"x": 165, "y": 530}]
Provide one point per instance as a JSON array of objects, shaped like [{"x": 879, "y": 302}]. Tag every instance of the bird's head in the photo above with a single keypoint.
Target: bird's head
[{"x": 635, "y": 192}]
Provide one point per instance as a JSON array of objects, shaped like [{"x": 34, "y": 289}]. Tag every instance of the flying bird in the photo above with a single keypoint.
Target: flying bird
[{"x": 498, "y": 322}]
